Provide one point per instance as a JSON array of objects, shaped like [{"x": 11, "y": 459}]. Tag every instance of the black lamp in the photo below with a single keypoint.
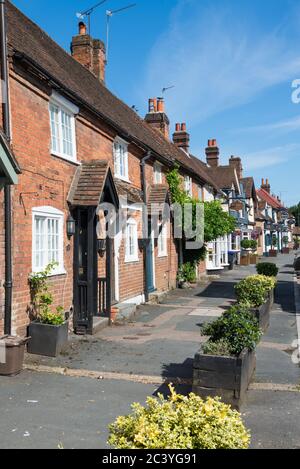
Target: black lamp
[
  {"x": 71, "y": 226},
  {"x": 101, "y": 247}
]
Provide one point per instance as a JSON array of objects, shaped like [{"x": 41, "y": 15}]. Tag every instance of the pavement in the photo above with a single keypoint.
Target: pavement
[{"x": 70, "y": 401}]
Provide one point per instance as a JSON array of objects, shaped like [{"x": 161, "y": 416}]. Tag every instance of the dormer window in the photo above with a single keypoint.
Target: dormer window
[
  {"x": 157, "y": 173},
  {"x": 121, "y": 159},
  {"x": 62, "y": 125}
]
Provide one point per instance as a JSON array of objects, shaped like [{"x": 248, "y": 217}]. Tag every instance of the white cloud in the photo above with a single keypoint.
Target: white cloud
[
  {"x": 213, "y": 65},
  {"x": 271, "y": 156},
  {"x": 285, "y": 126}
]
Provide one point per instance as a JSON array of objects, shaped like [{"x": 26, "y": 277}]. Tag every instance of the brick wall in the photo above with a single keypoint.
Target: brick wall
[{"x": 1, "y": 260}]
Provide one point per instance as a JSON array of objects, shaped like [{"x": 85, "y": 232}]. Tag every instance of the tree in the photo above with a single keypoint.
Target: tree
[{"x": 295, "y": 211}]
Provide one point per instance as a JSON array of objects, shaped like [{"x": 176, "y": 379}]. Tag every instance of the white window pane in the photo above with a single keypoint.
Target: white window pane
[{"x": 54, "y": 119}]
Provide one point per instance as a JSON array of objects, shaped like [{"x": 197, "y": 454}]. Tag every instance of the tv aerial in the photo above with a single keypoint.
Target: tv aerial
[
  {"x": 167, "y": 89},
  {"x": 87, "y": 13},
  {"x": 109, "y": 15}
]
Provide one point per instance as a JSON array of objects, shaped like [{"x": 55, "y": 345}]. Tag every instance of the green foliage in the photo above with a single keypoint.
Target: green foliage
[
  {"x": 187, "y": 272},
  {"x": 274, "y": 242},
  {"x": 285, "y": 240},
  {"x": 253, "y": 290},
  {"x": 238, "y": 327},
  {"x": 42, "y": 299},
  {"x": 267, "y": 268},
  {"x": 217, "y": 223},
  {"x": 180, "y": 422},
  {"x": 253, "y": 244},
  {"x": 246, "y": 244},
  {"x": 295, "y": 212},
  {"x": 220, "y": 348}
]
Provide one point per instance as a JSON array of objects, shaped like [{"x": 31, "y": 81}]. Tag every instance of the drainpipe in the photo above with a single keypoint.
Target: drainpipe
[
  {"x": 145, "y": 221},
  {"x": 7, "y": 189}
]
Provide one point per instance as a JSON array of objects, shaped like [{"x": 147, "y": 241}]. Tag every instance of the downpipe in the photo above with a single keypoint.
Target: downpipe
[
  {"x": 145, "y": 221},
  {"x": 7, "y": 189}
]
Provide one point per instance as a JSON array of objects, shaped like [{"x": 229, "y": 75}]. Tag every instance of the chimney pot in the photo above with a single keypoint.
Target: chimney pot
[
  {"x": 151, "y": 105},
  {"x": 181, "y": 137},
  {"x": 160, "y": 105},
  {"x": 82, "y": 28},
  {"x": 212, "y": 153},
  {"x": 183, "y": 127},
  {"x": 177, "y": 128},
  {"x": 262, "y": 182}
]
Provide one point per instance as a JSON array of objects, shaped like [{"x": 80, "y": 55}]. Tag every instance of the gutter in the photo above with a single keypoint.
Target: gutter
[
  {"x": 145, "y": 220},
  {"x": 7, "y": 190}
]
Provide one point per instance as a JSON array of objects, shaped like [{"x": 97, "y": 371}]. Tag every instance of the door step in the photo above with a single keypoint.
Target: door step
[
  {"x": 126, "y": 311},
  {"x": 99, "y": 324}
]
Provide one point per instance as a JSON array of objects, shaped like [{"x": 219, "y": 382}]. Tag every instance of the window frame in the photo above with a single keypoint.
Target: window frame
[
  {"x": 189, "y": 191},
  {"x": 131, "y": 222},
  {"x": 162, "y": 235},
  {"x": 63, "y": 105},
  {"x": 117, "y": 172},
  {"x": 157, "y": 173},
  {"x": 48, "y": 213}
]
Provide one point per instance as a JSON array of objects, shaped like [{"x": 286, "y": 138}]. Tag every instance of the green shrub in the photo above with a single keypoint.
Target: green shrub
[
  {"x": 187, "y": 272},
  {"x": 220, "y": 348},
  {"x": 253, "y": 244},
  {"x": 274, "y": 242},
  {"x": 268, "y": 269},
  {"x": 253, "y": 290},
  {"x": 246, "y": 244},
  {"x": 238, "y": 327},
  {"x": 180, "y": 422}
]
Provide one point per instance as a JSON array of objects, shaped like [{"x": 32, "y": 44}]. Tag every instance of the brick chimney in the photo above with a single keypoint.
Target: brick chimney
[
  {"x": 212, "y": 153},
  {"x": 236, "y": 162},
  {"x": 266, "y": 186},
  {"x": 89, "y": 52},
  {"x": 181, "y": 137},
  {"x": 157, "y": 118}
]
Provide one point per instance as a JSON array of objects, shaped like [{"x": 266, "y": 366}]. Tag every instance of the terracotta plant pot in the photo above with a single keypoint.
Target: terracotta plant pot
[
  {"x": 113, "y": 314},
  {"x": 272, "y": 253}
]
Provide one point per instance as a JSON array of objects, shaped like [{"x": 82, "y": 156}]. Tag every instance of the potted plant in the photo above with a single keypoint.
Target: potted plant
[
  {"x": 285, "y": 241},
  {"x": 268, "y": 269},
  {"x": 12, "y": 355},
  {"x": 273, "y": 251},
  {"x": 226, "y": 363},
  {"x": 257, "y": 292},
  {"x": 49, "y": 329},
  {"x": 186, "y": 275},
  {"x": 245, "y": 253}
]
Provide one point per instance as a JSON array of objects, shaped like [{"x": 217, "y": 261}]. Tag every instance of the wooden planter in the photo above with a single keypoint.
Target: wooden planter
[
  {"x": 263, "y": 312},
  {"x": 225, "y": 377},
  {"x": 245, "y": 258},
  {"x": 253, "y": 259},
  {"x": 272, "y": 253},
  {"x": 285, "y": 250},
  {"x": 46, "y": 339}
]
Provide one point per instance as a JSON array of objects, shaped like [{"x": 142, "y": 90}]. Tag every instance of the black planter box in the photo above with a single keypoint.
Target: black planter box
[
  {"x": 47, "y": 340},
  {"x": 263, "y": 312},
  {"x": 225, "y": 377}
]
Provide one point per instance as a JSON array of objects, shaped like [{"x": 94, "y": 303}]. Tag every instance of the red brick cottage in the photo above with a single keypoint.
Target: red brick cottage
[{"x": 78, "y": 145}]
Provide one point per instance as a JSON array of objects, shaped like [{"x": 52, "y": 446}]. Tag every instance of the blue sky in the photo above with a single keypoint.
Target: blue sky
[{"x": 232, "y": 64}]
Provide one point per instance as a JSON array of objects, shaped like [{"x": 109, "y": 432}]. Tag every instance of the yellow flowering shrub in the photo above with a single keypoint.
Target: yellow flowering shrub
[{"x": 180, "y": 422}]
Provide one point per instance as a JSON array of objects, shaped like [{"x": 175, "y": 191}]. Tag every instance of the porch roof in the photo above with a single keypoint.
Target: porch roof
[
  {"x": 89, "y": 184},
  {"x": 9, "y": 168},
  {"x": 158, "y": 195}
]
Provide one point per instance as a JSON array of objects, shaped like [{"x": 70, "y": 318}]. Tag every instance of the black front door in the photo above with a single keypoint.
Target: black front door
[{"x": 85, "y": 271}]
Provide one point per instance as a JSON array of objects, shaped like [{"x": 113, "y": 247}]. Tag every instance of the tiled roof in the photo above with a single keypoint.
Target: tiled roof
[
  {"x": 158, "y": 195},
  {"x": 249, "y": 187},
  {"x": 223, "y": 176},
  {"x": 296, "y": 231},
  {"x": 125, "y": 189},
  {"x": 88, "y": 183},
  {"x": 272, "y": 201},
  {"x": 27, "y": 39}
]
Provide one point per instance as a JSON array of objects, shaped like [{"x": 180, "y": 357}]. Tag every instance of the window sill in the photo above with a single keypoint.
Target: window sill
[
  {"x": 65, "y": 158},
  {"x": 122, "y": 178},
  {"x": 56, "y": 273},
  {"x": 162, "y": 255},
  {"x": 131, "y": 260}
]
